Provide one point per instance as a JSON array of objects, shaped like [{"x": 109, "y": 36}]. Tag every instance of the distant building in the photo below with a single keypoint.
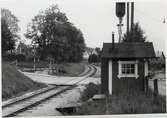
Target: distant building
[
  {"x": 160, "y": 56},
  {"x": 125, "y": 66}
]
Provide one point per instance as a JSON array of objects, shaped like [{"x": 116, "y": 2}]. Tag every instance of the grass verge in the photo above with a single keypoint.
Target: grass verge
[
  {"x": 126, "y": 102},
  {"x": 70, "y": 69},
  {"x": 15, "y": 83},
  {"x": 64, "y": 69},
  {"x": 40, "y": 64}
]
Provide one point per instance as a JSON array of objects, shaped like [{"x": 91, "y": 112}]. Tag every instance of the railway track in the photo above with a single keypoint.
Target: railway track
[{"x": 17, "y": 106}]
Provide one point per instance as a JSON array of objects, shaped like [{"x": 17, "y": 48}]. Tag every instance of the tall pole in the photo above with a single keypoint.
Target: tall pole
[
  {"x": 16, "y": 63},
  {"x": 119, "y": 28},
  {"x": 132, "y": 15},
  {"x": 34, "y": 58},
  {"x": 127, "y": 16}
]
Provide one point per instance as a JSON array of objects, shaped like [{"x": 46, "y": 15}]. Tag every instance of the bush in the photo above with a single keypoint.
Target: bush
[
  {"x": 157, "y": 65},
  {"x": 9, "y": 57},
  {"x": 13, "y": 57},
  {"x": 29, "y": 58},
  {"x": 62, "y": 70},
  {"x": 91, "y": 89},
  {"x": 20, "y": 57}
]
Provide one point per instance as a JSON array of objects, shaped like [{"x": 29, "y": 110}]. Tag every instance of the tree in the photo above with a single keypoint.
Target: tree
[
  {"x": 98, "y": 50},
  {"x": 12, "y": 22},
  {"x": 56, "y": 36},
  {"x": 93, "y": 58},
  {"x": 9, "y": 29},
  {"x": 136, "y": 34},
  {"x": 8, "y": 43}
]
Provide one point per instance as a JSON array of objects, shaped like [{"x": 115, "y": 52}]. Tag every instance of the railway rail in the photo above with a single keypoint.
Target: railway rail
[{"x": 19, "y": 105}]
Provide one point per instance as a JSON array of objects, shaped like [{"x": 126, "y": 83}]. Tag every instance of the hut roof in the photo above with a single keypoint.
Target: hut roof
[{"x": 128, "y": 50}]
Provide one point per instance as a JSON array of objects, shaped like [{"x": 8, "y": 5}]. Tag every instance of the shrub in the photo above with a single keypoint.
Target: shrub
[
  {"x": 9, "y": 57},
  {"x": 20, "y": 57},
  {"x": 91, "y": 89},
  {"x": 30, "y": 58},
  {"x": 157, "y": 65},
  {"x": 13, "y": 57},
  {"x": 62, "y": 70}
]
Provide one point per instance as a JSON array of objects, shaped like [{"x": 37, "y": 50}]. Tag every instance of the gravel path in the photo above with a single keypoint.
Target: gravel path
[
  {"x": 48, "y": 108},
  {"x": 59, "y": 80}
]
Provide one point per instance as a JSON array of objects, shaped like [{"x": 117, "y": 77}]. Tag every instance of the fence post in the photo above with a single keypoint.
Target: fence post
[
  {"x": 146, "y": 84},
  {"x": 107, "y": 97},
  {"x": 155, "y": 87},
  {"x": 16, "y": 63}
]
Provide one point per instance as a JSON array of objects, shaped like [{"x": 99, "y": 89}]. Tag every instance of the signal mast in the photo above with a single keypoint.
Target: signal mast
[{"x": 120, "y": 12}]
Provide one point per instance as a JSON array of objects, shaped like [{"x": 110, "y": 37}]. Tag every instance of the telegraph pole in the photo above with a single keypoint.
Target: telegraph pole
[
  {"x": 34, "y": 58},
  {"x": 132, "y": 15},
  {"x": 127, "y": 17}
]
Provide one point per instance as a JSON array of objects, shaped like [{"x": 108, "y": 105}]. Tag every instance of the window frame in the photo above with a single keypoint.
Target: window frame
[{"x": 121, "y": 74}]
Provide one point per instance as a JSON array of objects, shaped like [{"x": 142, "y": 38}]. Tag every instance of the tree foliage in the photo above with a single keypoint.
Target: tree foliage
[
  {"x": 12, "y": 22},
  {"x": 98, "y": 50},
  {"x": 136, "y": 34},
  {"x": 55, "y": 36},
  {"x": 9, "y": 29},
  {"x": 8, "y": 43},
  {"x": 93, "y": 58}
]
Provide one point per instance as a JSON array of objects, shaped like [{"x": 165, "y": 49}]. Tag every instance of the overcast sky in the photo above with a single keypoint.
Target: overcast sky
[{"x": 96, "y": 18}]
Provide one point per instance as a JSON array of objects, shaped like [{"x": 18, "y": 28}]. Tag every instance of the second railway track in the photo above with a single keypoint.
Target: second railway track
[{"x": 18, "y": 106}]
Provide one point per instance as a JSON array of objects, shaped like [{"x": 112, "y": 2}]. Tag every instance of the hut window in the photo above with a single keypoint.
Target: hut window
[{"x": 128, "y": 69}]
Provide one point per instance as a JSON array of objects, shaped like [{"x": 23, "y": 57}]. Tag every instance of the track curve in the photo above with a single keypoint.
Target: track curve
[{"x": 15, "y": 107}]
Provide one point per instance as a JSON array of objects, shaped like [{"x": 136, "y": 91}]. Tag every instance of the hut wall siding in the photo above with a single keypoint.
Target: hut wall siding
[
  {"x": 141, "y": 72},
  {"x": 104, "y": 76},
  {"x": 124, "y": 83},
  {"x": 127, "y": 82}
]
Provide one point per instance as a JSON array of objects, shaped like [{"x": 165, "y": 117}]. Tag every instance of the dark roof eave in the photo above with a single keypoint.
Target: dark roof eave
[{"x": 128, "y": 50}]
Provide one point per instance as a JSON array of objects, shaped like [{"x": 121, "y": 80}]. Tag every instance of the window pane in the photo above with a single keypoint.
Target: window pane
[
  {"x": 123, "y": 71},
  {"x": 128, "y": 65},
  {"x": 133, "y": 66},
  {"x": 123, "y": 65},
  {"x": 132, "y": 70},
  {"x": 128, "y": 68}
]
